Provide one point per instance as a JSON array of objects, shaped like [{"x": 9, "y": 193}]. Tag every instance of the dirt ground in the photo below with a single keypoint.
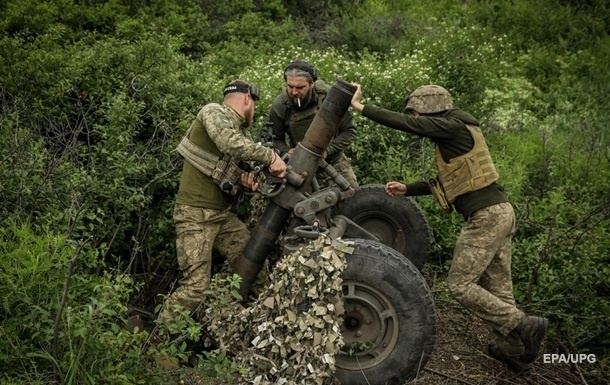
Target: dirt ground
[{"x": 460, "y": 357}]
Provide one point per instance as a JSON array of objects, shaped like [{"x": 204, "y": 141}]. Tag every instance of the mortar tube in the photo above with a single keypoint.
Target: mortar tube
[
  {"x": 260, "y": 244},
  {"x": 317, "y": 138},
  {"x": 326, "y": 122}
]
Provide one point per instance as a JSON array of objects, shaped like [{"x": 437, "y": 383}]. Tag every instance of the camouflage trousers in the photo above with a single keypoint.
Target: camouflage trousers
[
  {"x": 343, "y": 165},
  {"x": 480, "y": 274},
  {"x": 199, "y": 232}
]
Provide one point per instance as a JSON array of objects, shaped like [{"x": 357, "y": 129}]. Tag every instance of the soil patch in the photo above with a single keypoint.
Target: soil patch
[{"x": 460, "y": 357}]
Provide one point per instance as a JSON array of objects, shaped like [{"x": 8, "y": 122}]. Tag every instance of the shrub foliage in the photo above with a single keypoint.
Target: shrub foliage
[{"x": 95, "y": 95}]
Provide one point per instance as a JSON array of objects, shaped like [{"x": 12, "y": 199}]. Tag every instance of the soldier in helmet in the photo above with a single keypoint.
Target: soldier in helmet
[
  {"x": 480, "y": 273},
  {"x": 216, "y": 142},
  {"x": 293, "y": 110}
]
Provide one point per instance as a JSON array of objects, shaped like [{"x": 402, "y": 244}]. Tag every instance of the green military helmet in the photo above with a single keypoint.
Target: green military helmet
[{"x": 429, "y": 100}]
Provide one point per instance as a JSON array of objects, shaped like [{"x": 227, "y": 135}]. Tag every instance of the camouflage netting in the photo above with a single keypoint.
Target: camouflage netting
[{"x": 291, "y": 333}]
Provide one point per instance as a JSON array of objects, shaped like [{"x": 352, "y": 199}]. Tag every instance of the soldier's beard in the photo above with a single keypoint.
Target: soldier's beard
[
  {"x": 302, "y": 103},
  {"x": 249, "y": 117}
]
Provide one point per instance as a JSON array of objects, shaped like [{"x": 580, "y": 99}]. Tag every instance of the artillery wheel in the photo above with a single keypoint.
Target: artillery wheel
[
  {"x": 397, "y": 221},
  {"x": 389, "y": 322}
]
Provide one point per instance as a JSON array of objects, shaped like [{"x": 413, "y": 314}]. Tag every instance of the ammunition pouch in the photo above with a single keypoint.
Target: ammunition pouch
[
  {"x": 439, "y": 194},
  {"x": 227, "y": 175}
]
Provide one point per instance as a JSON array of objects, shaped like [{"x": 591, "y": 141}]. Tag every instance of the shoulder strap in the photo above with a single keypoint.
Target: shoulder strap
[
  {"x": 321, "y": 91},
  {"x": 201, "y": 159}
]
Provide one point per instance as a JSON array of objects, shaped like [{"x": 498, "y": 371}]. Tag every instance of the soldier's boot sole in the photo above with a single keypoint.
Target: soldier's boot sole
[
  {"x": 532, "y": 331},
  {"x": 514, "y": 364}
]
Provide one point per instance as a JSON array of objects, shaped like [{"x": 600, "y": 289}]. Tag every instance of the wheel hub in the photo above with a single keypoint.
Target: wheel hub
[
  {"x": 384, "y": 227},
  {"x": 370, "y": 327}
]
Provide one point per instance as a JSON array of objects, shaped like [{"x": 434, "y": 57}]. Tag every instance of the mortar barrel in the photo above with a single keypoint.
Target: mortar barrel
[
  {"x": 324, "y": 125},
  {"x": 271, "y": 223},
  {"x": 260, "y": 244}
]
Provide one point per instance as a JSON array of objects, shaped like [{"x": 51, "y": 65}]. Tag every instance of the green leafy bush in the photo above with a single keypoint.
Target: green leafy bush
[
  {"x": 95, "y": 96},
  {"x": 34, "y": 275}
]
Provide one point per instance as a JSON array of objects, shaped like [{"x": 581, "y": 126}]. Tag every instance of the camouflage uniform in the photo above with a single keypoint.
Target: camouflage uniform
[
  {"x": 204, "y": 222},
  {"x": 288, "y": 121},
  {"x": 480, "y": 273}
]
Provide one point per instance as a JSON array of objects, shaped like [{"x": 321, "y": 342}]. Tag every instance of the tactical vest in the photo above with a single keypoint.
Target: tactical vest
[
  {"x": 225, "y": 172},
  {"x": 468, "y": 172},
  {"x": 299, "y": 121}
]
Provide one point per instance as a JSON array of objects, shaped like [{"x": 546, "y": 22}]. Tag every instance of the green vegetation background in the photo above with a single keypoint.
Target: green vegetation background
[{"x": 95, "y": 95}]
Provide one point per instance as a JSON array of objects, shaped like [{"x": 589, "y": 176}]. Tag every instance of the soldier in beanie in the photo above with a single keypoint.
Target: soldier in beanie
[
  {"x": 217, "y": 142},
  {"x": 293, "y": 110},
  {"x": 480, "y": 273}
]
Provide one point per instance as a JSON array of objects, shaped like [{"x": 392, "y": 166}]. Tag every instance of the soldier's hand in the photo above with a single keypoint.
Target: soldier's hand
[
  {"x": 277, "y": 166},
  {"x": 247, "y": 180},
  {"x": 395, "y": 188},
  {"x": 357, "y": 98}
]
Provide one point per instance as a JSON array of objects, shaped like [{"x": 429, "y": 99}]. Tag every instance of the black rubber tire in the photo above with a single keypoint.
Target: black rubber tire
[
  {"x": 397, "y": 221},
  {"x": 388, "y": 306}
]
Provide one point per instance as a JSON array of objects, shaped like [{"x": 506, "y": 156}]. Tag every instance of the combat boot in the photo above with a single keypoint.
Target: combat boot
[
  {"x": 514, "y": 363},
  {"x": 532, "y": 331}
]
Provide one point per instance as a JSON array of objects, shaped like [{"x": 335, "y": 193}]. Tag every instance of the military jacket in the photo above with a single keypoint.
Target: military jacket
[
  {"x": 452, "y": 139},
  {"x": 220, "y": 130}
]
